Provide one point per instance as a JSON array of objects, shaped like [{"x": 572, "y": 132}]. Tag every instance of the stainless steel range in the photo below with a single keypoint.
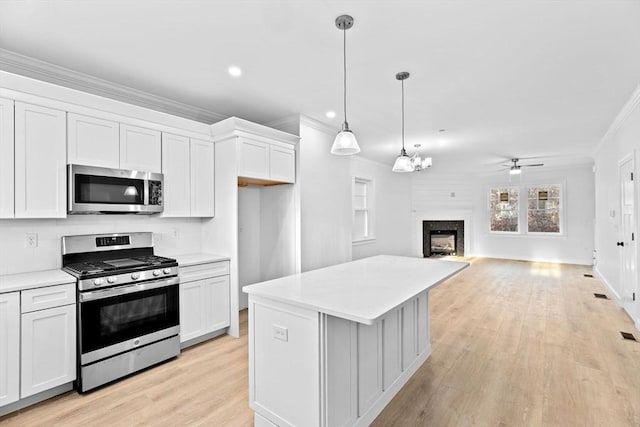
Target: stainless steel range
[{"x": 128, "y": 316}]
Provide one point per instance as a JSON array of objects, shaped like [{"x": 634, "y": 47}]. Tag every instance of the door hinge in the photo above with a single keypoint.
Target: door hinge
[
  {"x": 631, "y": 176},
  {"x": 633, "y": 236},
  {"x": 634, "y": 296}
]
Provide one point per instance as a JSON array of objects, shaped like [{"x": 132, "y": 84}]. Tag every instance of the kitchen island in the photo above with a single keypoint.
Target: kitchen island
[{"x": 331, "y": 347}]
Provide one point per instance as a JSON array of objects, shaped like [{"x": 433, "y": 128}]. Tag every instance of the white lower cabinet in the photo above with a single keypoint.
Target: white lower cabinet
[
  {"x": 9, "y": 348},
  {"x": 37, "y": 344},
  {"x": 48, "y": 349},
  {"x": 204, "y": 301}
]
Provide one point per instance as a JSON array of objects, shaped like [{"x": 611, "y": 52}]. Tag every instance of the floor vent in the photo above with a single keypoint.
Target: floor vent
[
  {"x": 628, "y": 336},
  {"x": 589, "y": 275},
  {"x": 601, "y": 296}
]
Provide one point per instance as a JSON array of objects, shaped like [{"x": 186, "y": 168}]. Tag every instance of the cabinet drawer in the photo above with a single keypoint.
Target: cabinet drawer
[
  {"x": 48, "y": 297},
  {"x": 201, "y": 271}
]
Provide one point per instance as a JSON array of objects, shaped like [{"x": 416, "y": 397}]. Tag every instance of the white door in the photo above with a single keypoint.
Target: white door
[
  {"x": 202, "y": 178},
  {"x": 627, "y": 241},
  {"x": 9, "y": 348},
  {"x": 93, "y": 141},
  {"x": 48, "y": 349},
  {"x": 177, "y": 175},
  {"x": 40, "y": 162},
  {"x": 140, "y": 149}
]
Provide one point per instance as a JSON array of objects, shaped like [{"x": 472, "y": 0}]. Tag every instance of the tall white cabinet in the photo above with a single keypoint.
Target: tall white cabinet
[
  {"x": 6, "y": 158},
  {"x": 9, "y": 348},
  {"x": 40, "y": 162},
  {"x": 189, "y": 178}
]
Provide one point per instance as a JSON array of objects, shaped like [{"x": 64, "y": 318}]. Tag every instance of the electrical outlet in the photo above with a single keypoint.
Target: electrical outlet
[
  {"x": 280, "y": 333},
  {"x": 31, "y": 240}
]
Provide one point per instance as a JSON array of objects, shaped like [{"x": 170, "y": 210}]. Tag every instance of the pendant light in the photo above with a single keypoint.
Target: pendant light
[
  {"x": 403, "y": 161},
  {"x": 345, "y": 142}
]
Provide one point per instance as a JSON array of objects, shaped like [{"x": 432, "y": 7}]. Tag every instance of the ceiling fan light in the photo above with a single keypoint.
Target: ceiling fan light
[
  {"x": 345, "y": 143},
  {"x": 515, "y": 170}
]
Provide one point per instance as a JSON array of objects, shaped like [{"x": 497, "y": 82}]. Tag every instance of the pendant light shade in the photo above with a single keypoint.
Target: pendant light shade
[
  {"x": 403, "y": 162},
  {"x": 345, "y": 142}
]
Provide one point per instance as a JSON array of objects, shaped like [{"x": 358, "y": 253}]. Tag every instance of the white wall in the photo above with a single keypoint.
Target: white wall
[
  {"x": 266, "y": 235},
  {"x": 622, "y": 140},
  {"x": 172, "y": 236},
  {"x": 432, "y": 199},
  {"x": 391, "y": 207},
  {"x": 249, "y": 247},
  {"x": 324, "y": 182},
  {"x": 576, "y": 244}
]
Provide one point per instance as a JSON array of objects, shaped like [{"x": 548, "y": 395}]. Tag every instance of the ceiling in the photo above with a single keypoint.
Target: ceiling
[{"x": 539, "y": 79}]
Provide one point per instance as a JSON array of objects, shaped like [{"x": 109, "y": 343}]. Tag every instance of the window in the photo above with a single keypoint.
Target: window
[
  {"x": 503, "y": 209},
  {"x": 362, "y": 193},
  {"x": 543, "y": 209}
]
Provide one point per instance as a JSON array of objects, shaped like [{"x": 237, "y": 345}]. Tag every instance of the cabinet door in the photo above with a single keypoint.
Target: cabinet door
[
  {"x": 282, "y": 164},
  {"x": 40, "y": 162},
  {"x": 177, "y": 177},
  {"x": 202, "y": 178},
  {"x": 48, "y": 349},
  {"x": 253, "y": 159},
  {"x": 218, "y": 288},
  {"x": 140, "y": 149},
  {"x": 192, "y": 309},
  {"x": 9, "y": 348},
  {"x": 6, "y": 159},
  {"x": 93, "y": 141}
]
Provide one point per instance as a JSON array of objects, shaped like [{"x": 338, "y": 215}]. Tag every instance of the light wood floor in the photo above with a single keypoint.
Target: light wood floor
[{"x": 514, "y": 343}]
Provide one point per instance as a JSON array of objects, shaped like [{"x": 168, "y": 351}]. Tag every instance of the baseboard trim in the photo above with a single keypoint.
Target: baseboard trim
[
  {"x": 36, "y": 398},
  {"x": 616, "y": 295},
  {"x": 528, "y": 259}
]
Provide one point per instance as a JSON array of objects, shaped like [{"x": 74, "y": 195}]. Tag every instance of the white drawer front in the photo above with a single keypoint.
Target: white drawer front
[
  {"x": 47, "y": 297},
  {"x": 201, "y": 271}
]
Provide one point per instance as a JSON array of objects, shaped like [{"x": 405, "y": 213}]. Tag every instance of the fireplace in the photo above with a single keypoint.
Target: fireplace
[
  {"x": 443, "y": 238},
  {"x": 443, "y": 242}
]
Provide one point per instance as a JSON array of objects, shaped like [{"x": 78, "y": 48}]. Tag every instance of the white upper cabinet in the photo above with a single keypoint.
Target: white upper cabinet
[
  {"x": 253, "y": 159},
  {"x": 266, "y": 161},
  {"x": 140, "y": 149},
  {"x": 105, "y": 143},
  {"x": 6, "y": 158},
  {"x": 202, "y": 178},
  {"x": 40, "y": 162},
  {"x": 177, "y": 176},
  {"x": 188, "y": 168},
  {"x": 282, "y": 164},
  {"x": 93, "y": 141}
]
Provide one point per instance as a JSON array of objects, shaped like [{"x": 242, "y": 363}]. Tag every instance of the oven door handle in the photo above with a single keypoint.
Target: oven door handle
[{"x": 123, "y": 290}]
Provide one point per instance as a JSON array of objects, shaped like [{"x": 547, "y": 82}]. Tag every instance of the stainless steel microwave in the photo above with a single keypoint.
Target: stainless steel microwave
[{"x": 94, "y": 190}]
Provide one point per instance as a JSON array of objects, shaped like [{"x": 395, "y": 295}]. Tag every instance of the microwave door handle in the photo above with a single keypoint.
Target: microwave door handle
[
  {"x": 123, "y": 290},
  {"x": 147, "y": 187}
]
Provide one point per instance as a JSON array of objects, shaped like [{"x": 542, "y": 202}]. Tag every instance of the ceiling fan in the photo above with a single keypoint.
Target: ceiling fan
[{"x": 514, "y": 169}]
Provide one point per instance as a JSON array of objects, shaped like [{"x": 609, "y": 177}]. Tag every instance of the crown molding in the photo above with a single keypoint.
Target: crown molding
[
  {"x": 34, "y": 68},
  {"x": 317, "y": 125},
  {"x": 631, "y": 104}
]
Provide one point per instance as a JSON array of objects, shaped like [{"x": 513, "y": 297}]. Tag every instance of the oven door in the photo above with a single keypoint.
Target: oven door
[{"x": 114, "y": 320}]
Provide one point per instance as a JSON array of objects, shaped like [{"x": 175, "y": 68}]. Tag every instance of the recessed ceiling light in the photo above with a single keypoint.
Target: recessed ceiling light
[
  {"x": 235, "y": 71},
  {"x": 331, "y": 114}
]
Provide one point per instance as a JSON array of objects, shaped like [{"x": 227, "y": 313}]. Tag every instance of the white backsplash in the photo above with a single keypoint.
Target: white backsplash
[{"x": 172, "y": 236}]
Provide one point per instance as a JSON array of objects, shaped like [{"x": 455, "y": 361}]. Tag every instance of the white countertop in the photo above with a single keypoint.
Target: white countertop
[
  {"x": 199, "y": 258},
  {"x": 362, "y": 291},
  {"x": 35, "y": 279}
]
